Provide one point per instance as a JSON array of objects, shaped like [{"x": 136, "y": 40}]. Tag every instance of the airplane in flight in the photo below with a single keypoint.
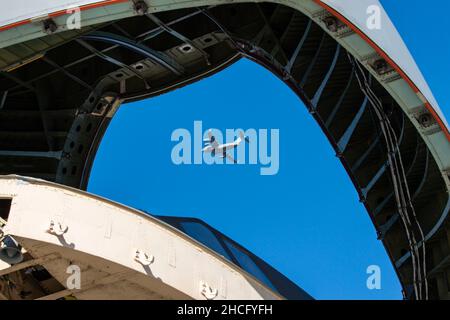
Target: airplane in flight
[{"x": 213, "y": 147}]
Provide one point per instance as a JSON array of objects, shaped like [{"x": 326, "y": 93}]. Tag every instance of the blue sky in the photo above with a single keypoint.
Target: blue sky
[{"x": 306, "y": 221}]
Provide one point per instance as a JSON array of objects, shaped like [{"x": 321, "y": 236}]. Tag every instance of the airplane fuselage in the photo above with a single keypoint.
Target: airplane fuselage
[{"x": 220, "y": 149}]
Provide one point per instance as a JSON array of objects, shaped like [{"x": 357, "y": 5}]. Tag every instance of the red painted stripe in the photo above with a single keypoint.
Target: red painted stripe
[
  {"x": 14, "y": 25},
  {"x": 63, "y": 12},
  {"x": 389, "y": 60}
]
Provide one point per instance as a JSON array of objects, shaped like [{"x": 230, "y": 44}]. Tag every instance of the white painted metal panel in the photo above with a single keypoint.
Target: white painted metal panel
[
  {"x": 18, "y": 10},
  {"x": 105, "y": 236}
]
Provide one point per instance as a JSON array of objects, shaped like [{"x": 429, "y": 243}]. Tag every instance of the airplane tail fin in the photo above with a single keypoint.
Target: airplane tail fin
[{"x": 244, "y": 138}]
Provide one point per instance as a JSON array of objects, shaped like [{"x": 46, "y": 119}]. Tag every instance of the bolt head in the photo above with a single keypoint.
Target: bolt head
[
  {"x": 50, "y": 26},
  {"x": 140, "y": 8},
  {"x": 331, "y": 23},
  {"x": 425, "y": 120}
]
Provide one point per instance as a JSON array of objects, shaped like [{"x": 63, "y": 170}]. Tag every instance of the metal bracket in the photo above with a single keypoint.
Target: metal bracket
[
  {"x": 57, "y": 228},
  {"x": 2, "y": 226},
  {"x": 143, "y": 258},
  {"x": 140, "y": 7},
  {"x": 49, "y": 26},
  {"x": 207, "y": 291}
]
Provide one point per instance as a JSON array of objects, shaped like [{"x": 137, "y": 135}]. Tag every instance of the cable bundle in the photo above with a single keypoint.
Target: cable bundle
[{"x": 402, "y": 194}]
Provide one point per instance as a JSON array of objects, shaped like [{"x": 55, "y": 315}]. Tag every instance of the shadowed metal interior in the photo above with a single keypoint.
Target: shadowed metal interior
[{"x": 55, "y": 108}]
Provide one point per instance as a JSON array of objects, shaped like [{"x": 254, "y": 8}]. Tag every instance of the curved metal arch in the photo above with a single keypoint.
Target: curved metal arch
[
  {"x": 258, "y": 55},
  {"x": 147, "y": 52}
]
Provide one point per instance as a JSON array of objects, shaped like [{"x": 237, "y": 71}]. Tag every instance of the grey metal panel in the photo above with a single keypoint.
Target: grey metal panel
[{"x": 388, "y": 39}]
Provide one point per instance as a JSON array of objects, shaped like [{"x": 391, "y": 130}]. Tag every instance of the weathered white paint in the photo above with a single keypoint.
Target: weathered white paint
[{"x": 102, "y": 238}]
